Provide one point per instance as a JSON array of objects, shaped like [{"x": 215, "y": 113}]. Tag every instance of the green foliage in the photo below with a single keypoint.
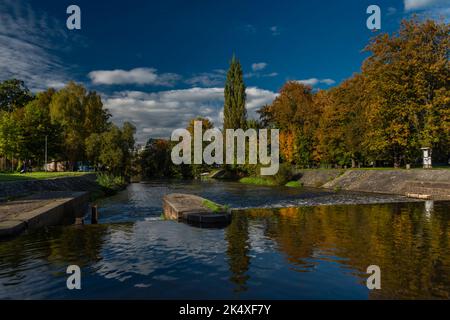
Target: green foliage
[
  {"x": 261, "y": 181},
  {"x": 112, "y": 149},
  {"x": 284, "y": 174},
  {"x": 235, "y": 114},
  {"x": 155, "y": 161},
  {"x": 74, "y": 122},
  {"x": 80, "y": 114},
  {"x": 110, "y": 182},
  {"x": 215, "y": 207},
  {"x": 13, "y": 94},
  {"x": 38, "y": 175},
  {"x": 294, "y": 184}
]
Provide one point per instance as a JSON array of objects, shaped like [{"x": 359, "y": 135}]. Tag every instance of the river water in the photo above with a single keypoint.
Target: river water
[{"x": 300, "y": 244}]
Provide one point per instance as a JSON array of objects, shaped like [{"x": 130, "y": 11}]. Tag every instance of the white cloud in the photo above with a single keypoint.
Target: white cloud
[
  {"x": 249, "y": 28},
  {"x": 314, "y": 81},
  {"x": 391, "y": 11},
  {"x": 429, "y": 9},
  {"x": 256, "y": 71},
  {"x": 259, "y": 66},
  {"x": 27, "y": 42},
  {"x": 138, "y": 76},
  {"x": 275, "y": 30},
  {"x": 157, "y": 114},
  {"x": 208, "y": 79},
  {"x": 424, "y": 4}
]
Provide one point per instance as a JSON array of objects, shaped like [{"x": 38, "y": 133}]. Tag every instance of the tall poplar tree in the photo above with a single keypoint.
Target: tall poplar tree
[{"x": 235, "y": 114}]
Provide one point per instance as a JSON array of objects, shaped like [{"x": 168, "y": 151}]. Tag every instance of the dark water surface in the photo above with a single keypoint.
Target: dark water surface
[{"x": 285, "y": 250}]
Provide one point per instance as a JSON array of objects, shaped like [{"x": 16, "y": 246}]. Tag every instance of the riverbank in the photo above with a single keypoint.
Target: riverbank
[
  {"x": 14, "y": 186},
  {"x": 10, "y": 190},
  {"x": 435, "y": 183},
  {"x": 41, "y": 210}
]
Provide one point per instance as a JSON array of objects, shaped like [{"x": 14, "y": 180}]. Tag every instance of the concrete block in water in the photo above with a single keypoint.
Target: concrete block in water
[{"x": 192, "y": 208}]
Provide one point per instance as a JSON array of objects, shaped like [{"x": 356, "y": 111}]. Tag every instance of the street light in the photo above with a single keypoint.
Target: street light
[{"x": 45, "y": 164}]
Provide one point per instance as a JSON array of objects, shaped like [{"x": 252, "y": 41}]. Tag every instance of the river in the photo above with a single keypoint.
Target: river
[{"x": 299, "y": 244}]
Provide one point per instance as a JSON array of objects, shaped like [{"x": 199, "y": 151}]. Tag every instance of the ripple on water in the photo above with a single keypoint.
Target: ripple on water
[{"x": 290, "y": 252}]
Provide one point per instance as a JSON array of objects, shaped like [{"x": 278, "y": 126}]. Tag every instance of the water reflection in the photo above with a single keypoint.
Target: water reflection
[
  {"x": 238, "y": 249},
  {"x": 411, "y": 248},
  {"x": 287, "y": 253}
]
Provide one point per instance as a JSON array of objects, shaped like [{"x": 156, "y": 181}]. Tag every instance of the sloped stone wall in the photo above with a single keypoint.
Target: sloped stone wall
[{"x": 12, "y": 189}]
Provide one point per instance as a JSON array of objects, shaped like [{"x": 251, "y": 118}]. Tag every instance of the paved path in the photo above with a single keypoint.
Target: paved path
[{"x": 41, "y": 210}]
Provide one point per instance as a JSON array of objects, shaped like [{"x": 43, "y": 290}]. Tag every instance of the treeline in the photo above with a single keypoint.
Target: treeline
[
  {"x": 72, "y": 120},
  {"x": 382, "y": 116},
  {"x": 155, "y": 159},
  {"x": 398, "y": 103}
]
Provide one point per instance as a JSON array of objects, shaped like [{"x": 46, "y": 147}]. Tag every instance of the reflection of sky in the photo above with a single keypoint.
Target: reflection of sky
[
  {"x": 166, "y": 259},
  {"x": 150, "y": 246},
  {"x": 142, "y": 201}
]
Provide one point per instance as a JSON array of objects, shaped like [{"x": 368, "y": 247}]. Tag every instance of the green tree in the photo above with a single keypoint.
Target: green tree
[
  {"x": 198, "y": 169},
  {"x": 235, "y": 114},
  {"x": 36, "y": 125},
  {"x": 112, "y": 150},
  {"x": 13, "y": 94},
  {"x": 10, "y": 135},
  {"x": 80, "y": 114}
]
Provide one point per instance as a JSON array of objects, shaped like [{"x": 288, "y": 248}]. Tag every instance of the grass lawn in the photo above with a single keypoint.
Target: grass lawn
[
  {"x": 294, "y": 184},
  {"x": 258, "y": 181},
  {"x": 37, "y": 175}
]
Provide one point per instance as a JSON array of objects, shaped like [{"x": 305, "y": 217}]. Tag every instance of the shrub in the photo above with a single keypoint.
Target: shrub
[
  {"x": 284, "y": 174},
  {"x": 110, "y": 182}
]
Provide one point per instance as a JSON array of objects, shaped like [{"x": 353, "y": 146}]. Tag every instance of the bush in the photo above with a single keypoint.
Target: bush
[
  {"x": 284, "y": 174},
  {"x": 111, "y": 183}
]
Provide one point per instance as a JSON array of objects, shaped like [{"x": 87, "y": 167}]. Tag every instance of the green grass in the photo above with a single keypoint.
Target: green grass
[
  {"x": 258, "y": 181},
  {"x": 37, "y": 175},
  {"x": 294, "y": 184},
  {"x": 215, "y": 207}
]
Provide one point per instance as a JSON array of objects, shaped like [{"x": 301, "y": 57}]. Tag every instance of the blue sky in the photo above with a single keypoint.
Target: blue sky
[{"x": 159, "y": 63}]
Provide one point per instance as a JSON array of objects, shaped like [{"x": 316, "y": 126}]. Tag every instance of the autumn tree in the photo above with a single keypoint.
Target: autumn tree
[
  {"x": 408, "y": 74},
  {"x": 297, "y": 117},
  {"x": 342, "y": 126}
]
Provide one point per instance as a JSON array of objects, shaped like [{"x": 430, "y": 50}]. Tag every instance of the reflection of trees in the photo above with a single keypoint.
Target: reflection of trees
[
  {"x": 80, "y": 245},
  {"x": 411, "y": 249},
  {"x": 238, "y": 250}
]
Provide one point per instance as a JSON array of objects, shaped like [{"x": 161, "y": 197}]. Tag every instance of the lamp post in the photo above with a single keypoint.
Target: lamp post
[{"x": 45, "y": 165}]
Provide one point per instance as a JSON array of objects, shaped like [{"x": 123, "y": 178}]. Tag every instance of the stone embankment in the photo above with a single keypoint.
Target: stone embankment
[
  {"x": 21, "y": 188},
  {"x": 41, "y": 210},
  {"x": 422, "y": 182}
]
